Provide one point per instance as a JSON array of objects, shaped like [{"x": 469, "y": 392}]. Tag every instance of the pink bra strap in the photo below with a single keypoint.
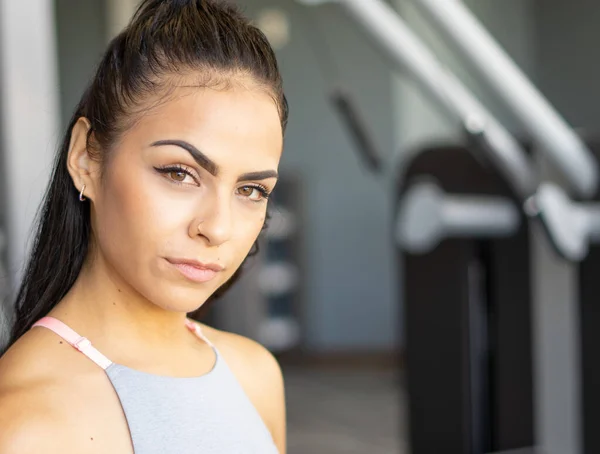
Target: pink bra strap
[
  {"x": 195, "y": 328},
  {"x": 80, "y": 343},
  {"x": 85, "y": 346}
]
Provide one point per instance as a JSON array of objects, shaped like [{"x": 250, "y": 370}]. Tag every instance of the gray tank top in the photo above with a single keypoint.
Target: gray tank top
[{"x": 210, "y": 414}]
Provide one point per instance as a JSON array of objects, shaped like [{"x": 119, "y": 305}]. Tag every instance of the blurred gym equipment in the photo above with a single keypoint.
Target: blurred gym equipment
[
  {"x": 480, "y": 378},
  {"x": 426, "y": 215},
  {"x": 467, "y": 307},
  {"x": 556, "y": 140}
]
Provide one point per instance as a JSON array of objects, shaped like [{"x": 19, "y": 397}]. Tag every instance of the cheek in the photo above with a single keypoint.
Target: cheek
[{"x": 135, "y": 218}]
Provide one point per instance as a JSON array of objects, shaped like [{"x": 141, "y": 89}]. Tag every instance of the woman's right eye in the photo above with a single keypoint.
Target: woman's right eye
[{"x": 178, "y": 175}]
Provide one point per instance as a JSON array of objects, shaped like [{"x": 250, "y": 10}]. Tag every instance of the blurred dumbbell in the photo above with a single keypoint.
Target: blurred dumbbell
[{"x": 427, "y": 215}]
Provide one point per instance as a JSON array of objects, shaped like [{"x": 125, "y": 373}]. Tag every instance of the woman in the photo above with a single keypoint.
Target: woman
[{"x": 158, "y": 195}]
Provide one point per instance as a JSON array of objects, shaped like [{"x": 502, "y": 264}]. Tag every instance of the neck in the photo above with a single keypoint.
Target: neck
[{"x": 102, "y": 305}]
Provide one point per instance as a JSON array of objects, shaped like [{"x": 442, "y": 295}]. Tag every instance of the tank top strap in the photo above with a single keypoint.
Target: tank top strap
[
  {"x": 79, "y": 342},
  {"x": 195, "y": 328}
]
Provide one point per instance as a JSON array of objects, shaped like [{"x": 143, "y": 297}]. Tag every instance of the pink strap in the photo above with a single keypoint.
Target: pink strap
[
  {"x": 85, "y": 346},
  {"x": 80, "y": 343},
  {"x": 195, "y": 328}
]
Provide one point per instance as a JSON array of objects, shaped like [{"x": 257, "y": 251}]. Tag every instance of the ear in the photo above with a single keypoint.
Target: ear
[{"x": 82, "y": 167}]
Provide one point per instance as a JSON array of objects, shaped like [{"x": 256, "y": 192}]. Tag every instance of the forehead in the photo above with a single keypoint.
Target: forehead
[{"x": 235, "y": 126}]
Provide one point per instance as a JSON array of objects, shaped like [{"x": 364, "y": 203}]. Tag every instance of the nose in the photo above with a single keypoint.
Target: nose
[{"x": 215, "y": 223}]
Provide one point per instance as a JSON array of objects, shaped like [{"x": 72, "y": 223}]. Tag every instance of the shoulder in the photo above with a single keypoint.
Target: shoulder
[
  {"x": 37, "y": 393},
  {"x": 28, "y": 424},
  {"x": 254, "y": 365},
  {"x": 259, "y": 373},
  {"x": 27, "y": 417},
  {"x": 240, "y": 351}
]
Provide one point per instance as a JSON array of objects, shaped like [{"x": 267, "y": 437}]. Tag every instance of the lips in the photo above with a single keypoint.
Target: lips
[{"x": 196, "y": 271}]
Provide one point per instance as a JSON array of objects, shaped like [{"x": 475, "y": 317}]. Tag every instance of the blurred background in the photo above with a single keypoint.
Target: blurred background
[{"x": 381, "y": 347}]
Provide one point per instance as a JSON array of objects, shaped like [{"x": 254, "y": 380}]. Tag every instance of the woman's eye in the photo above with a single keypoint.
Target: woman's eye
[
  {"x": 246, "y": 191},
  {"x": 253, "y": 193},
  {"x": 178, "y": 176}
]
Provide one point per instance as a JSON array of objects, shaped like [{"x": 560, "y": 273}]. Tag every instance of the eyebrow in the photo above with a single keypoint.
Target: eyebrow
[
  {"x": 202, "y": 160},
  {"x": 264, "y": 175},
  {"x": 206, "y": 163}
]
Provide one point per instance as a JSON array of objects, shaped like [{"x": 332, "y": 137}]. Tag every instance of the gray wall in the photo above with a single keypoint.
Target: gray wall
[{"x": 350, "y": 300}]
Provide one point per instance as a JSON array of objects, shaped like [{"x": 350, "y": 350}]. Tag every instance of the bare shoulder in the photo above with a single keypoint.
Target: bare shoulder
[
  {"x": 28, "y": 424},
  {"x": 29, "y": 420},
  {"x": 49, "y": 396},
  {"x": 244, "y": 352},
  {"x": 30, "y": 365},
  {"x": 252, "y": 363},
  {"x": 259, "y": 373}
]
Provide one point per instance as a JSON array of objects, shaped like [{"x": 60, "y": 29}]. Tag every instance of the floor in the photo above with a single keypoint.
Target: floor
[
  {"x": 347, "y": 412},
  {"x": 344, "y": 412}
]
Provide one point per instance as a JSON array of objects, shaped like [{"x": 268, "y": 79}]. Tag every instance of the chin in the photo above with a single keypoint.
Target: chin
[{"x": 182, "y": 300}]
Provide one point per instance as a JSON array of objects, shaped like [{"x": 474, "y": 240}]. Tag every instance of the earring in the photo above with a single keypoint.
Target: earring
[{"x": 81, "y": 197}]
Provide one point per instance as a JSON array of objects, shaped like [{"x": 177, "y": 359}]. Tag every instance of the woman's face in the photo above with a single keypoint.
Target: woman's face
[{"x": 184, "y": 193}]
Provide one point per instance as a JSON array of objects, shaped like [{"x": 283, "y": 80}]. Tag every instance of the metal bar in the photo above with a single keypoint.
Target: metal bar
[
  {"x": 551, "y": 132},
  {"x": 412, "y": 56},
  {"x": 407, "y": 51}
]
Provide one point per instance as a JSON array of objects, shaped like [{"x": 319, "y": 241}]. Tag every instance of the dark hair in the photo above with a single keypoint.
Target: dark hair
[{"x": 166, "y": 39}]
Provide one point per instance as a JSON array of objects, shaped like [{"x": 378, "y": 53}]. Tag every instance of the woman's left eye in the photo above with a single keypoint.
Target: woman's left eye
[{"x": 254, "y": 193}]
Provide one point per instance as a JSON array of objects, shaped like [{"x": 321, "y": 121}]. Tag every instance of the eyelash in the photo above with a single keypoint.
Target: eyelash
[{"x": 178, "y": 168}]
